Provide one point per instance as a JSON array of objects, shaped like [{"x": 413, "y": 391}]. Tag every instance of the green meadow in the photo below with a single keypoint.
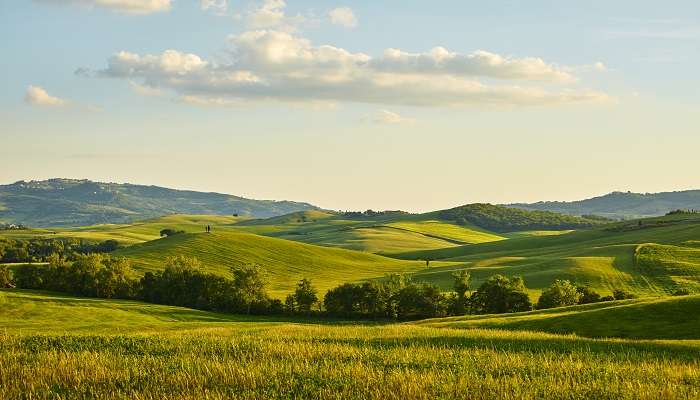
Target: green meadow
[{"x": 125, "y": 349}]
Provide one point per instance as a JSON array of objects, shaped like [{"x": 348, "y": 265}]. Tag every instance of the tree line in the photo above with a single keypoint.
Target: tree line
[
  {"x": 40, "y": 250},
  {"x": 182, "y": 282}
]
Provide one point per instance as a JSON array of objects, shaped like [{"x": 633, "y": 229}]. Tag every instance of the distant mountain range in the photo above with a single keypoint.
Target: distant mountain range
[
  {"x": 622, "y": 205},
  {"x": 72, "y": 202}
]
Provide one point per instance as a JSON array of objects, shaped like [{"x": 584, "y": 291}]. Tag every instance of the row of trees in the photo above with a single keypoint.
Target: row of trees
[
  {"x": 40, "y": 250},
  {"x": 182, "y": 282}
]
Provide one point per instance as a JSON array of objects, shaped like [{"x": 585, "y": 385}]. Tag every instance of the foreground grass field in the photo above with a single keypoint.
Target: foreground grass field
[{"x": 136, "y": 351}]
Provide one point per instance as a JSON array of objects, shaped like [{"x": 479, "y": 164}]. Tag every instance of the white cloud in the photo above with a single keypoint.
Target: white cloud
[
  {"x": 599, "y": 66},
  {"x": 479, "y": 63},
  {"x": 124, "y": 6},
  {"x": 145, "y": 90},
  {"x": 271, "y": 15},
  {"x": 386, "y": 117},
  {"x": 218, "y": 7},
  {"x": 343, "y": 16},
  {"x": 272, "y": 65},
  {"x": 37, "y": 96}
]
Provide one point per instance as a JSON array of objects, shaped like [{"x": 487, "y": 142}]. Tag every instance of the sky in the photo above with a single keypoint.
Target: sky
[{"x": 407, "y": 104}]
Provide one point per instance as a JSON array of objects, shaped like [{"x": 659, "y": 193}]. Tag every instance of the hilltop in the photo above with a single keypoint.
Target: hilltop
[
  {"x": 72, "y": 202},
  {"x": 652, "y": 256},
  {"x": 394, "y": 231},
  {"x": 622, "y": 205}
]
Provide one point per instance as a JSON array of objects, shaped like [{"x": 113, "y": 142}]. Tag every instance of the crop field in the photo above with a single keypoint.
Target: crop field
[{"x": 122, "y": 349}]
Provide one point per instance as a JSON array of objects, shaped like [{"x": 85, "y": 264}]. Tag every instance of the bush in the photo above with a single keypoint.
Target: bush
[
  {"x": 588, "y": 295},
  {"x": 620, "y": 294},
  {"x": 561, "y": 293},
  {"x": 6, "y": 278},
  {"x": 681, "y": 292},
  {"x": 169, "y": 232},
  {"x": 607, "y": 298},
  {"x": 500, "y": 295}
]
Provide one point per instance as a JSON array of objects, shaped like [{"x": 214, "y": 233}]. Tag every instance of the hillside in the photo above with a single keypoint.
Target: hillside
[
  {"x": 382, "y": 233},
  {"x": 622, "y": 205},
  {"x": 652, "y": 257},
  {"x": 504, "y": 219},
  {"x": 396, "y": 232},
  {"x": 70, "y": 202},
  {"x": 285, "y": 262},
  {"x": 650, "y": 318}
]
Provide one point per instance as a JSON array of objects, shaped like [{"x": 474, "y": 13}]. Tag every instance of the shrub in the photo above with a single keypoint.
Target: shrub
[
  {"x": 500, "y": 295},
  {"x": 6, "y": 278},
  {"x": 620, "y": 294},
  {"x": 560, "y": 294},
  {"x": 681, "y": 292},
  {"x": 588, "y": 295},
  {"x": 169, "y": 232}
]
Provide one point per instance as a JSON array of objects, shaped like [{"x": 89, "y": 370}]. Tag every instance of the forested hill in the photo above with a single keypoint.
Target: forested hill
[
  {"x": 70, "y": 202},
  {"x": 504, "y": 219},
  {"x": 622, "y": 204}
]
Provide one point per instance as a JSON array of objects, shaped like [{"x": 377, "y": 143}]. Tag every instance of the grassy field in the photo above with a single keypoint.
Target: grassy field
[
  {"x": 121, "y": 349},
  {"x": 383, "y": 234},
  {"x": 648, "y": 318},
  {"x": 285, "y": 262},
  {"x": 604, "y": 258},
  {"x": 128, "y": 234}
]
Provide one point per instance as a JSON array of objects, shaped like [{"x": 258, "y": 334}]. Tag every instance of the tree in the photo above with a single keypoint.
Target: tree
[
  {"x": 6, "y": 278},
  {"x": 461, "y": 283},
  {"x": 499, "y": 294},
  {"x": 620, "y": 294},
  {"x": 249, "y": 283},
  {"x": 344, "y": 299},
  {"x": 305, "y": 295},
  {"x": 588, "y": 295},
  {"x": 169, "y": 232},
  {"x": 560, "y": 294},
  {"x": 420, "y": 301},
  {"x": 678, "y": 292}
]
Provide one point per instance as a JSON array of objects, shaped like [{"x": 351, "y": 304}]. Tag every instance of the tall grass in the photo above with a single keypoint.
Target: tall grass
[{"x": 362, "y": 362}]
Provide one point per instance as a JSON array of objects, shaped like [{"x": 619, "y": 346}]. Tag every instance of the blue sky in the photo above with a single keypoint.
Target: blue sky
[{"x": 477, "y": 101}]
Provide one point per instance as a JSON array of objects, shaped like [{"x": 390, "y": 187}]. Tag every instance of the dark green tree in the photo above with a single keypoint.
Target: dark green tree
[
  {"x": 499, "y": 294},
  {"x": 560, "y": 294},
  {"x": 305, "y": 295}
]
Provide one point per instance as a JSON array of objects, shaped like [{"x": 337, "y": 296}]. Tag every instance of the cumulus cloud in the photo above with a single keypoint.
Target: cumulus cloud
[
  {"x": 386, "y": 117},
  {"x": 124, "y": 6},
  {"x": 37, "y": 96},
  {"x": 274, "y": 65},
  {"x": 271, "y": 14},
  {"x": 479, "y": 63},
  {"x": 343, "y": 16},
  {"x": 218, "y": 7}
]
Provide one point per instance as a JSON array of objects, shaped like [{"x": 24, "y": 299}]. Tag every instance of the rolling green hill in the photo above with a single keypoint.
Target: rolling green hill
[
  {"x": 71, "y": 202},
  {"x": 127, "y": 234},
  {"x": 622, "y": 204},
  {"x": 649, "y": 318},
  {"x": 285, "y": 262},
  {"x": 385, "y": 233},
  {"x": 605, "y": 258},
  {"x": 504, "y": 219}
]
